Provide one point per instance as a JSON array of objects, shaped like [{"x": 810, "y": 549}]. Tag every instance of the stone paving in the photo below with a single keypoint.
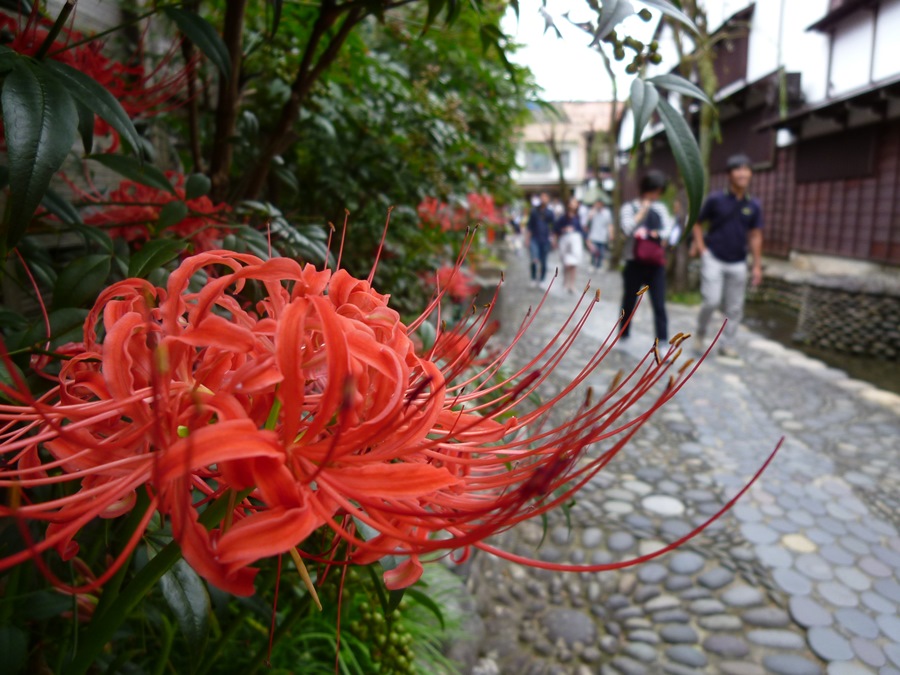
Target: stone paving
[{"x": 802, "y": 576}]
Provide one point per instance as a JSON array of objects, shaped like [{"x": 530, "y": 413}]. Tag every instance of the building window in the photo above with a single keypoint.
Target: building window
[{"x": 537, "y": 158}]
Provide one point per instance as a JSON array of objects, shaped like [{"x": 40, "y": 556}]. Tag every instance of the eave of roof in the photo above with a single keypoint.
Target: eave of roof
[{"x": 832, "y": 18}]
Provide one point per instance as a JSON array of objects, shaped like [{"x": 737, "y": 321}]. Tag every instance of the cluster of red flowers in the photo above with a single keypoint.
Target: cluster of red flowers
[
  {"x": 458, "y": 283},
  {"x": 299, "y": 394},
  {"x": 478, "y": 209},
  {"x": 141, "y": 93},
  {"x": 132, "y": 212}
]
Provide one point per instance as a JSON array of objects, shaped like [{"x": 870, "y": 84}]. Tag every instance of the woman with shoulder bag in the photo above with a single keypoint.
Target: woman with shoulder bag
[{"x": 647, "y": 224}]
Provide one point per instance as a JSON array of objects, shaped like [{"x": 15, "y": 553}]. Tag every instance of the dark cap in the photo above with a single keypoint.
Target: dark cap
[
  {"x": 653, "y": 180},
  {"x": 737, "y": 161}
]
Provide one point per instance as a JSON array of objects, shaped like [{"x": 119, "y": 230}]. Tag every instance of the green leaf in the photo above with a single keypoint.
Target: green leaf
[
  {"x": 425, "y": 600},
  {"x": 14, "y": 647},
  {"x": 186, "y": 595},
  {"x": 395, "y": 597},
  {"x": 153, "y": 255},
  {"x": 43, "y": 605},
  {"x": 81, "y": 280},
  {"x": 199, "y": 31},
  {"x": 197, "y": 185},
  {"x": 644, "y": 99},
  {"x": 60, "y": 207},
  {"x": 39, "y": 118},
  {"x": 85, "y": 126},
  {"x": 172, "y": 214},
  {"x": 11, "y": 380},
  {"x": 95, "y": 234},
  {"x": 97, "y": 98},
  {"x": 139, "y": 172},
  {"x": 276, "y": 15},
  {"x": 687, "y": 156},
  {"x": 8, "y": 58},
  {"x": 66, "y": 325},
  {"x": 671, "y": 10},
  {"x": 677, "y": 83},
  {"x": 612, "y": 13}
]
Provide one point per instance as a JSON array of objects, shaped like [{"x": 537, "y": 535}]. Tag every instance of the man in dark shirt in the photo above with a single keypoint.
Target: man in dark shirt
[
  {"x": 540, "y": 225},
  {"x": 735, "y": 224}
]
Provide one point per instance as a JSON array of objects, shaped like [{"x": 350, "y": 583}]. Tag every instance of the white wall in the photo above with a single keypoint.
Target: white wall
[
  {"x": 851, "y": 53},
  {"x": 887, "y": 49}
]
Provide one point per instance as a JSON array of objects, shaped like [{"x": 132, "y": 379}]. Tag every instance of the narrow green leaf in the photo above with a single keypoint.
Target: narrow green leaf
[
  {"x": 687, "y": 156},
  {"x": 197, "y": 185},
  {"x": 81, "y": 280},
  {"x": 39, "y": 118},
  {"x": 671, "y": 10},
  {"x": 395, "y": 597},
  {"x": 199, "y": 31},
  {"x": 679, "y": 84},
  {"x": 612, "y": 13},
  {"x": 66, "y": 325},
  {"x": 172, "y": 214},
  {"x": 140, "y": 172},
  {"x": 92, "y": 233},
  {"x": 97, "y": 98},
  {"x": 276, "y": 15},
  {"x": 186, "y": 596},
  {"x": 14, "y": 647},
  {"x": 425, "y": 600},
  {"x": 60, "y": 207},
  {"x": 153, "y": 255},
  {"x": 644, "y": 99},
  {"x": 85, "y": 126}
]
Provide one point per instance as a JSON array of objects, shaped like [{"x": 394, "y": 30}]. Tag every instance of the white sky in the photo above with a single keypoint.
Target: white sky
[{"x": 568, "y": 69}]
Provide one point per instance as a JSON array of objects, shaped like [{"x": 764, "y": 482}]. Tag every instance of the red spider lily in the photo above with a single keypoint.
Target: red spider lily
[
  {"x": 311, "y": 408},
  {"x": 479, "y": 209},
  {"x": 140, "y": 92},
  {"x": 457, "y": 282},
  {"x": 132, "y": 211}
]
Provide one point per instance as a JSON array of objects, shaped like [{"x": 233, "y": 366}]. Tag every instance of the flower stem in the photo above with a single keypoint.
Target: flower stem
[{"x": 54, "y": 30}]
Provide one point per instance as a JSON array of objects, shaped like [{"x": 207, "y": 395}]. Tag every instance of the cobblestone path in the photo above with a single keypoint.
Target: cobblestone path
[{"x": 802, "y": 576}]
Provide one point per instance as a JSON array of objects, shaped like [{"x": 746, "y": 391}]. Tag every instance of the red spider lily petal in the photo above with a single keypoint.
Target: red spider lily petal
[{"x": 404, "y": 575}]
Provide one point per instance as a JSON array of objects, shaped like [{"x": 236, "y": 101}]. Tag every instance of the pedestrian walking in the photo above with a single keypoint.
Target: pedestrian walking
[
  {"x": 646, "y": 223},
  {"x": 538, "y": 229},
  {"x": 734, "y": 223},
  {"x": 600, "y": 224},
  {"x": 570, "y": 243}
]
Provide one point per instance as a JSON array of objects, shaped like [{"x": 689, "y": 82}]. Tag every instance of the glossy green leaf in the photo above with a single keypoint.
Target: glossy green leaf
[
  {"x": 671, "y": 10},
  {"x": 199, "y": 31},
  {"x": 97, "y": 98},
  {"x": 14, "y": 647},
  {"x": 60, "y": 207},
  {"x": 679, "y": 84},
  {"x": 197, "y": 185},
  {"x": 94, "y": 234},
  {"x": 39, "y": 119},
  {"x": 186, "y": 596},
  {"x": 153, "y": 255},
  {"x": 644, "y": 99},
  {"x": 425, "y": 600},
  {"x": 172, "y": 214},
  {"x": 8, "y": 59},
  {"x": 43, "y": 605},
  {"x": 687, "y": 156},
  {"x": 140, "y": 172},
  {"x": 81, "y": 280},
  {"x": 66, "y": 325},
  {"x": 85, "y": 126},
  {"x": 612, "y": 13}
]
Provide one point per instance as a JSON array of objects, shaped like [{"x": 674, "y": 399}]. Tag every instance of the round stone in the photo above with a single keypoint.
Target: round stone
[
  {"x": 886, "y": 555},
  {"x": 678, "y": 582},
  {"x": 740, "y": 668},
  {"x": 675, "y": 529},
  {"x": 687, "y": 656},
  {"x": 776, "y": 639},
  {"x": 720, "y": 622},
  {"x": 560, "y": 535},
  {"x": 833, "y": 526},
  {"x": 592, "y": 537},
  {"x": 829, "y": 645},
  {"x": 616, "y": 507},
  {"x": 726, "y": 645},
  {"x": 838, "y": 594},
  {"x": 874, "y": 567},
  {"x": 855, "y": 545},
  {"x": 767, "y": 617},
  {"x": 814, "y": 566},
  {"x": 799, "y": 543},
  {"x": 664, "y": 505},
  {"x": 569, "y": 625},
  {"x": 820, "y": 537},
  {"x": 742, "y": 596},
  {"x": 706, "y": 606},
  {"x": 888, "y": 588},
  {"x": 853, "y": 578},
  {"x": 868, "y": 652},
  {"x": 651, "y": 573},
  {"x": 792, "y": 582},
  {"x": 808, "y": 612},
  {"x": 890, "y": 626},
  {"x": 678, "y": 633},
  {"x": 774, "y": 556},
  {"x": 686, "y": 562},
  {"x": 783, "y": 525},
  {"x": 638, "y": 487},
  {"x": 837, "y": 555},
  {"x": 878, "y": 603},
  {"x": 716, "y": 578},
  {"x": 892, "y": 651},
  {"x": 857, "y": 622},
  {"x": 747, "y": 513},
  {"x": 640, "y": 651},
  {"x": 790, "y": 664},
  {"x": 620, "y": 541},
  {"x": 846, "y": 668},
  {"x": 757, "y": 533},
  {"x": 671, "y": 616}
]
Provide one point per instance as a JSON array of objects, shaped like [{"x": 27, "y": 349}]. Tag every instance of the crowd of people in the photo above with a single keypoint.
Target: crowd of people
[{"x": 728, "y": 228}]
